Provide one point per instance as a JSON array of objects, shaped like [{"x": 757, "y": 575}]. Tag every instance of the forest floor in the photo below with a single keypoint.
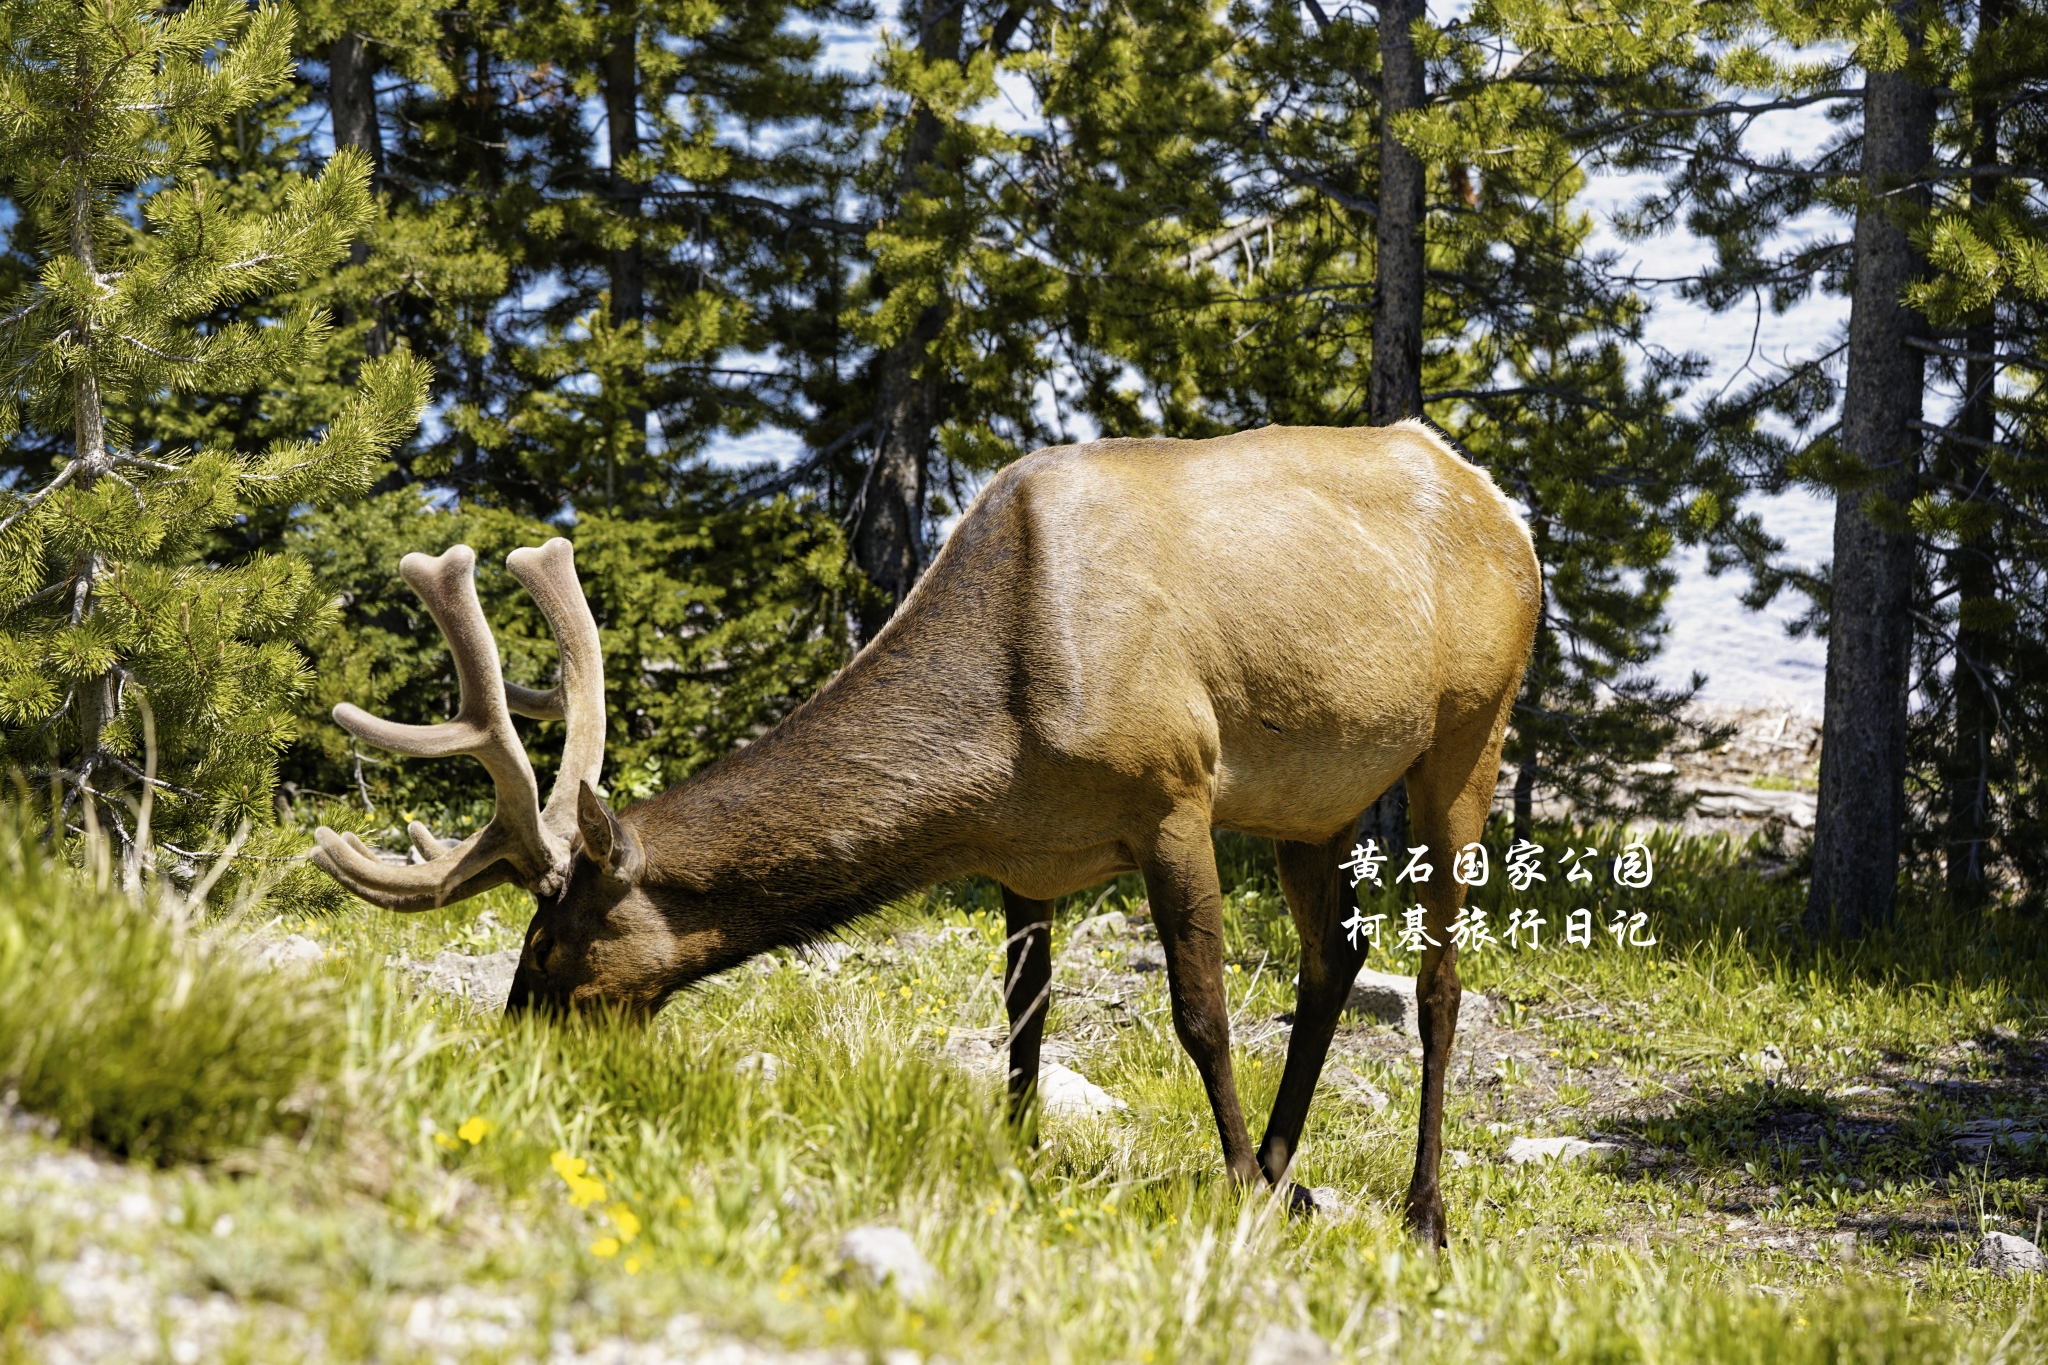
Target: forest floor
[{"x": 1792, "y": 1152}]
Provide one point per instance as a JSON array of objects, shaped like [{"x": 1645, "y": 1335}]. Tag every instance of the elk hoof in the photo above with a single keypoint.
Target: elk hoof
[{"x": 1426, "y": 1222}]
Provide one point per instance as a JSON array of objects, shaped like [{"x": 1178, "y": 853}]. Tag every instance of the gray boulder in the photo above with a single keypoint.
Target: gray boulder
[
  {"x": 2001, "y": 1253},
  {"x": 1391, "y": 1000}
]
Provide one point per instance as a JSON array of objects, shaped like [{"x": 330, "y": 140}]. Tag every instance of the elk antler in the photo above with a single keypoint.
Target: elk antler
[{"x": 522, "y": 843}]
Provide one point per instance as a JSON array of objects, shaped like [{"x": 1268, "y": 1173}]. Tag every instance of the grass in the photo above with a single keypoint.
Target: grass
[
  {"x": 138, "y": 1033},
  {"x": 440, "y": 1156}
]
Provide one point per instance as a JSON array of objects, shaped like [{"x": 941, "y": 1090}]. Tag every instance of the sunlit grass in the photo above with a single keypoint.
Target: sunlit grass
[{"x": 610, "y": 1176}]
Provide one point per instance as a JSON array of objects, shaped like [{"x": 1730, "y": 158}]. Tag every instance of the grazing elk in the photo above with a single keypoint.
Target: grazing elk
[{"x": 1122, "y": 645}]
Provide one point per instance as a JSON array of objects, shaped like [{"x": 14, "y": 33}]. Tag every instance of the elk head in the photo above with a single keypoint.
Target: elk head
[{"x": 596, "y": 936}]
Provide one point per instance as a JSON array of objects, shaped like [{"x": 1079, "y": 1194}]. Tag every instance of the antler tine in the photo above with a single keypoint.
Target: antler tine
[
  {"x": 476, "y": 864},
  {"x": 482, "y": 728},
  {"x": 548, "y": 572}
]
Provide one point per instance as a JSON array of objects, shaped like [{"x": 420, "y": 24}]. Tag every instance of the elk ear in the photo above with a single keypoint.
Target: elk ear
[{"x": 606, "y": 840}]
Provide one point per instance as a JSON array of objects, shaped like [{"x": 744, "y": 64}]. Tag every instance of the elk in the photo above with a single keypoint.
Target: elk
[{"x": 1122, "y": 646}]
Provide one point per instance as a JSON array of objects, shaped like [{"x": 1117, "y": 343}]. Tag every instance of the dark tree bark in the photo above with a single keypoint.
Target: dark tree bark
[
  {"x": 1968, "y": 776},
  {"x": 352, "y": 101},
  {"x": 627, "y": 279},
  {"x": 1396, "y": 379},
  {"x": 352, "y": 110},
  {"x": 1862, "y": 813},
  {"x": 888, "y": 533}
]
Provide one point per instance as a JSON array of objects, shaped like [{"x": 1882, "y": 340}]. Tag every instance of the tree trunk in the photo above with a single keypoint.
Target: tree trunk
[
  {"x": 352, "y": 101},
  {"x": 1968, "y": 779},
  {"x": 888, "y": 535},
  {"x": 95, "y": 700},
  {"x": 1396, "y": 381},
  {"x": 352, "y": 111},
  {"x": 1862, "y": 810},
  {"x": 628, "y": 288}
]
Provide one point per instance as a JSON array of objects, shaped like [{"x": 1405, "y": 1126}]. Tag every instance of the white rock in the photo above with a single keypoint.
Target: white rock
[
  {"x": 765, "y": 1065},
  {"x": 2004, "y": 1254},
  {"x": 1460, "y": 1158},
  {"x": 1526, "y": 1149},
  {"x": 1110, "y": 925},
  {"x": 1288, "y": 1346},
  {"x": 1330, "y": 1204},
  {"x": 1357, "y": 1088},
  {"x": 466, "y": 1321},
  {"x": 483, "y": 979},
  {"x": 886, "y": 1255},
  {"x": 1755, "y": 803},
  {"x": 825, "y": 957},
  {"x": 1390, "y": 999},
  {"x": 294, "y": 950},
  {"x": 1978, "y": 1136},
  {"x": 1064, "y": 1091},
  {"x": 136, "y": 1207}
]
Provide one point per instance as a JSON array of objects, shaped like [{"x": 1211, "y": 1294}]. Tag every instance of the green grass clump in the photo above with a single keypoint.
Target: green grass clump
[{"x": 152, "y": 1040}]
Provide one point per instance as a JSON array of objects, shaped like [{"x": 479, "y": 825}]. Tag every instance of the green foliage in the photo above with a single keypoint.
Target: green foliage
[
  {"x": 105, "y": 588},
  {"x": 716, "y": 620},
  {"x": 1980, "y": 745},
  {"x": 142, "y": 1034}
]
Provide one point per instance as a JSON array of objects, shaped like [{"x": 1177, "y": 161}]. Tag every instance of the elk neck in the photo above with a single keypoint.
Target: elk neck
[{"x": 878, "y": 785}]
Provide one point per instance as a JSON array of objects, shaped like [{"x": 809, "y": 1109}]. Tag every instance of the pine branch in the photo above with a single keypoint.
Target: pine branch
[
  {"x": 145, "y": 347},
  {"x": 37, "y": 501},
  {"x": 2013, "y": 358},
  {"x": 18, "y": 314},
  {"x": 1216, "y": 246}
]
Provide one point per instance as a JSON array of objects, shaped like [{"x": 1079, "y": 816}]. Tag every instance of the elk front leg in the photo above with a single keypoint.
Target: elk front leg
[
  {"x": 1027, "y": 990},
  {"x": 1187, "y": 905},
  {"x": 1319, "y": 901}
]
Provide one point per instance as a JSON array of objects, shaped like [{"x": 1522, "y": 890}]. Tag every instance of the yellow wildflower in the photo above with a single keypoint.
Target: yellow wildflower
[
  {"x": 583, "y": 1189},
  {"x": 445, "y": 1143},
  {"x": 605, "y": 1247},
  {"x": 632, "y": 1265},
  {"x": 624, "y": 1220},
  {"x": 475, "y": 1129}
]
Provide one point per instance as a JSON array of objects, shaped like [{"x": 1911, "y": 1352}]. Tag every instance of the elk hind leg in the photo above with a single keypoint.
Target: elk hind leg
[
  {"x": 1319, "y": 901},
  {"x": 1450, "y": 791}
]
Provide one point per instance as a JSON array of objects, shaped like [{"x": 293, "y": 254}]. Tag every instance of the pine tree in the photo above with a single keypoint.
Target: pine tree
[
  {"x": 1979, "y": 741},
  {"x": 1929, "y": 534},
  {"x": 110, "y": 616},
  {"x": 947, "y": 301}
]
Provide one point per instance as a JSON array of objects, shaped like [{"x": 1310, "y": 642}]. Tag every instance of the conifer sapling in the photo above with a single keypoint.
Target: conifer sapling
[{"x": 107, "y": 604}]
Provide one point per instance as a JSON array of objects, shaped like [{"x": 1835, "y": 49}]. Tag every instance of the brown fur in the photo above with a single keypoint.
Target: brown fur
[{"x": 1122, "y": 645}]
